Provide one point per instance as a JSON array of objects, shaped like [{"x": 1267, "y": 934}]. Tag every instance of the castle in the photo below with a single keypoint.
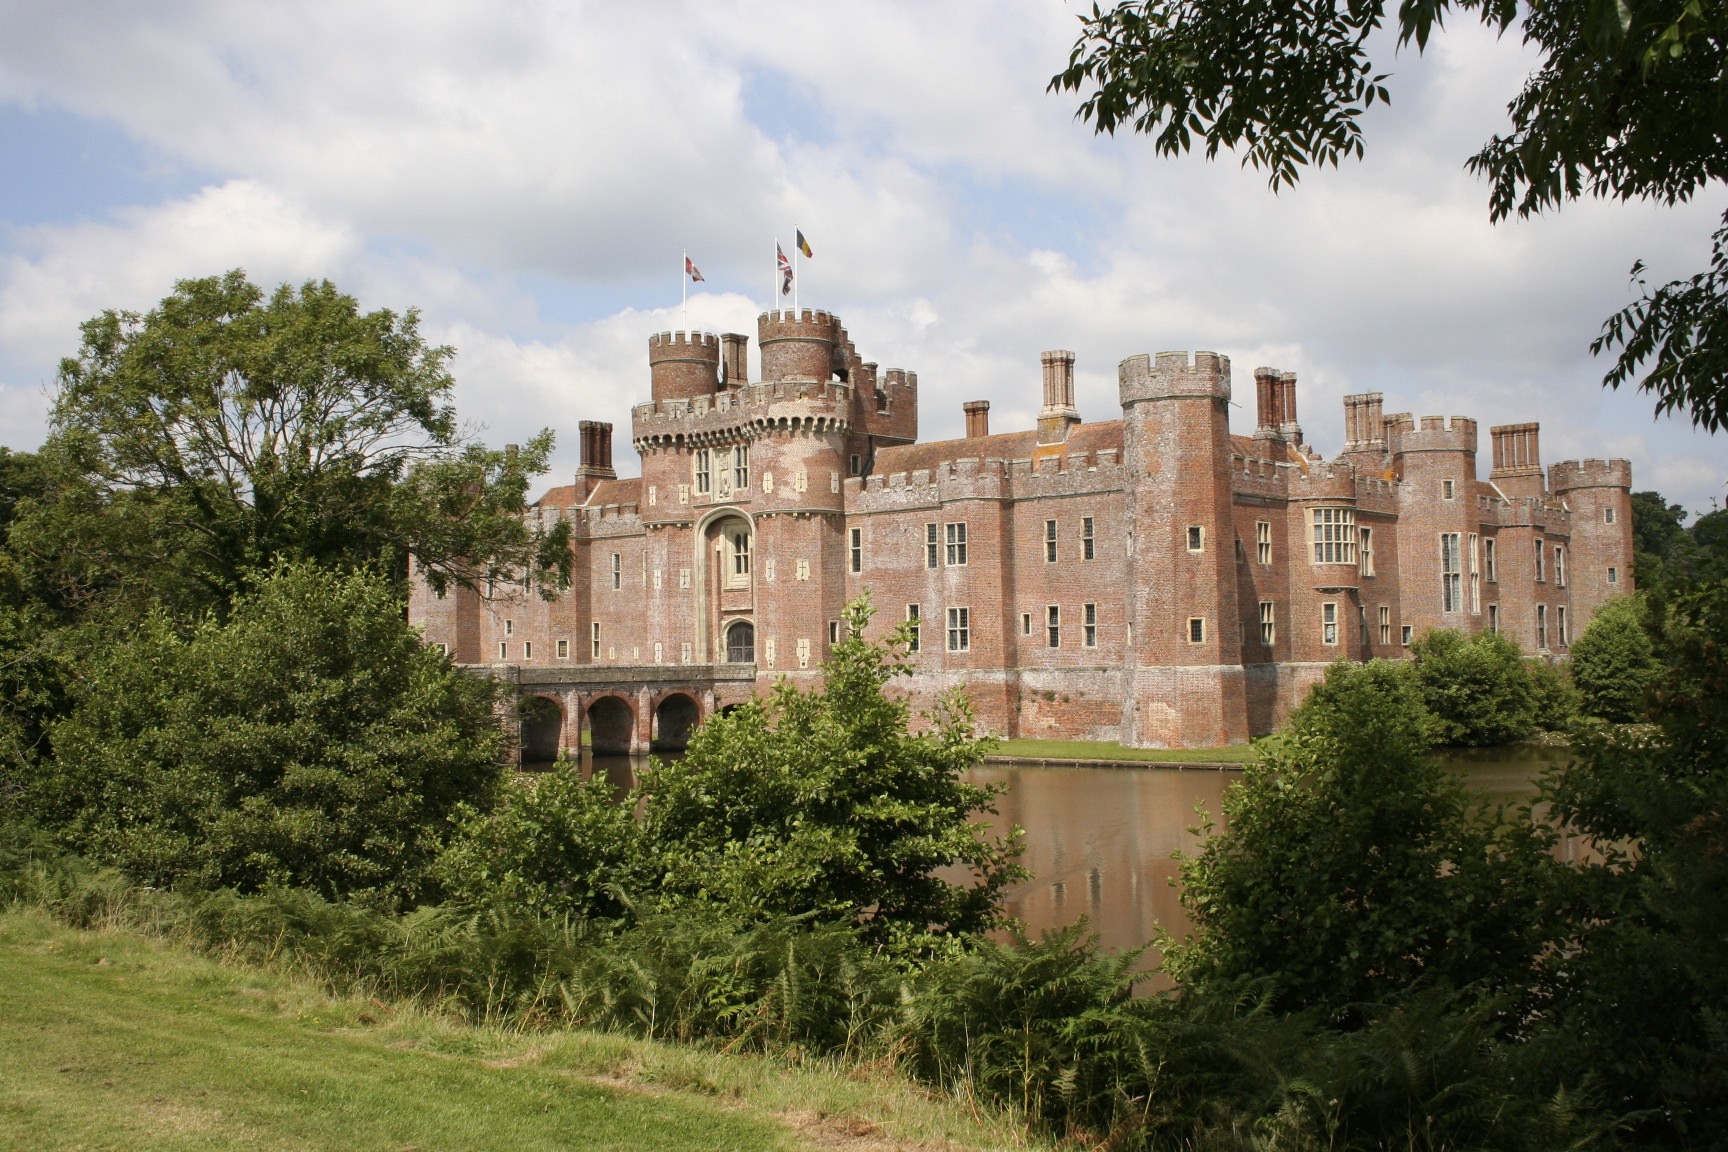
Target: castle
[{"x": 1151, "y": 579}]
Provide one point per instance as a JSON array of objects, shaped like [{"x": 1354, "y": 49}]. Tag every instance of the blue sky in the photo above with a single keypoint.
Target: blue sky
[{"x": 528, "y": 174}]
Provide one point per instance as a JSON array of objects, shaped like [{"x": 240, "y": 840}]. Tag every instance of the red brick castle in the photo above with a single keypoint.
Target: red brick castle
[{"x": 1152, "y": 579}]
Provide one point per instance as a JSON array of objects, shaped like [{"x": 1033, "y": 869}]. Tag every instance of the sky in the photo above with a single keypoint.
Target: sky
[{"x": 529, "y": 174}]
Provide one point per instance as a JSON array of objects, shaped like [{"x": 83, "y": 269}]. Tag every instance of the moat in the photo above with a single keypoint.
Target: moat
[{"x": 1099, "y": 841}]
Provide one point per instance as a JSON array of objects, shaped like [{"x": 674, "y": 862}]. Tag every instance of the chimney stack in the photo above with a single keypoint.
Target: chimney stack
[
  {"x": 1059, "y": 413},
  {"x": 977, "y": 419},
  {"x": 596, "y": 465},
  {"x": 734, "y": 359},
  {"x": 1517, "y": 459}
]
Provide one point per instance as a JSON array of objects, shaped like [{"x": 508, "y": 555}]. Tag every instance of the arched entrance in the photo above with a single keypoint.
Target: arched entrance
[
  {"x": 725, "y": 570},
  {"x": 611, "y": 724},
  {"x": 741, "y": 642},
  {"x": 542, "y": 728},
  {"x": 674, "y": 721}
]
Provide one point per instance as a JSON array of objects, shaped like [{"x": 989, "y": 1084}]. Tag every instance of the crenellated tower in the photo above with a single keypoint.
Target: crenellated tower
[{"x": 1599, "y": 496}]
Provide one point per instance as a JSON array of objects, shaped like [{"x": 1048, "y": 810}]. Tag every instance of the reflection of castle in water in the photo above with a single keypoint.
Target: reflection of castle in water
[{"x": 1151, "y": 579}]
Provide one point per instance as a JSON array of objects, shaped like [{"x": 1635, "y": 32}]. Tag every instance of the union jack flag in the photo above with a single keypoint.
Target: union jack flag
[{"x": 785, "y": 270}]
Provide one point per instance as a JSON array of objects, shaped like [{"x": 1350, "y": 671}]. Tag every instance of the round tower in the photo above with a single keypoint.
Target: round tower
[
  {"x": 797, "y": 345},
  {"x": 683, "y": 365},
  {"x": 1599, "y": 495}
]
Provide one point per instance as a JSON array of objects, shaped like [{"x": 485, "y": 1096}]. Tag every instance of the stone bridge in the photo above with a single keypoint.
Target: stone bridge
[{"x": 624, "y": 708}]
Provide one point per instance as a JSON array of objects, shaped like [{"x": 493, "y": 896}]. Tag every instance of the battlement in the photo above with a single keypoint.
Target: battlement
[
  {"x": 799, "y": 345},
  {"x": 1334, "y": 483},
  {"x": 682, "y": 365},
  {"x": 1569, "y": 475},
  {"x": 1431, "y": 434},
  {"x": 1171, "y": 375}
]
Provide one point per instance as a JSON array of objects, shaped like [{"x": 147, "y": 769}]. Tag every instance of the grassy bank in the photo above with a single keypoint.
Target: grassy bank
[
  {"x": 1110, "y": 750},
  {"x": 110, "y": 1039}
]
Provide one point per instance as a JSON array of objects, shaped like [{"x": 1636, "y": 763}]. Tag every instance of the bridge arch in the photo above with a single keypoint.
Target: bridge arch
[
  {"x": 611, "y": 725},
  {"x": 675, "y": 719},
  {"x": 542, "y": 727}
]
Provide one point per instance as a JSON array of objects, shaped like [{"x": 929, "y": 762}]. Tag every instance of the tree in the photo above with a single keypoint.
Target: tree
[
  {"x": 1614, "y": 663},
  {"x": 1351, "y": 865},
  {"x": 823, "y": 803},
  {"x": 1477, "y": 689},
  {"x": 1628, "y": 102},
  {"x": 312, "y": 739},
  {"x": 194, "y": 446}
]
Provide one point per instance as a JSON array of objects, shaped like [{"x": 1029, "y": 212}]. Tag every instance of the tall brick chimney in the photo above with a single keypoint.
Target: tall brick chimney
[
  {"x": 1058, "y": 414},
  {"x": 1517, "y": 459},
  {"x": 735, "y": 359},
  {"x": 596, "y": 462},
  {"x": 977, "y": 419}
]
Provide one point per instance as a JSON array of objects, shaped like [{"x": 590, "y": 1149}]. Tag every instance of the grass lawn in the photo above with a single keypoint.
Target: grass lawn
[
  {"x": 111, "y": 1040},
  {"x": 1110, "y": 750}
]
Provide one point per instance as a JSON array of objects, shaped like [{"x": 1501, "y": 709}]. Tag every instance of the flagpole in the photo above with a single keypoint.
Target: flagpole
[
  {"x": 797, "y": 273},
  {"x": 774, "y": 298},
  {"x": 684, "y": 291}
]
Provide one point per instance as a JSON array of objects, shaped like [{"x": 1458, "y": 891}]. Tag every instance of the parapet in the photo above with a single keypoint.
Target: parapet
[
  {"x": 683, "y": 365},
  {"x": 1570, "y": 475},
  {"x": 1432, "y": 434},
  {"x": 798, "y": 345},
  {"x": 1173, "y": 375}
]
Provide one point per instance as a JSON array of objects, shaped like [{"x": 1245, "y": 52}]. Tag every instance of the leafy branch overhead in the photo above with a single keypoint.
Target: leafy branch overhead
[{"x": 1630, "y": 101}]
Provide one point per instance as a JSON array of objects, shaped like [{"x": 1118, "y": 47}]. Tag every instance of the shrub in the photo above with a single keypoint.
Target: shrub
[
  {"x": 312, "y": 740},
  {"x": 1477, "y": 689},
  {"x": 1614, "y": 662}
]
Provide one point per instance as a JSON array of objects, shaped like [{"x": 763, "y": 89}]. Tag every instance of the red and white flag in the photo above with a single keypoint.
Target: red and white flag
[{"x": 691, "y": 270}]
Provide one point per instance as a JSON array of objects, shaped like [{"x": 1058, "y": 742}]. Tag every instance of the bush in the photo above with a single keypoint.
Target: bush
[
  {"x": 312, "y": 740},
  {"x": 1614, "y": 662},
  {"x": 1554, "y": 700},
  {"x": 1352, "y": 866},
  {"x": 1477, "y": 689}
]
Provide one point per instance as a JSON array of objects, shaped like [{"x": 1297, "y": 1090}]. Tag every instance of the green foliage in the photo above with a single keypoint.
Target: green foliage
[
  {"x": 1477, "y": 689},
  {"x": 1640, "y": 985},
  {"x": 1353, "y": 867},
  {"x": 196, "y": 445},
  {"x": 1624, "y": 102},
  {"x": 554, "y": 844},
  {"x": 1554, "y": 700},
  {"x": 312, "y": 739},
  {"x": 822, "y": 802},
  {"x": 1614, "y": 663}
]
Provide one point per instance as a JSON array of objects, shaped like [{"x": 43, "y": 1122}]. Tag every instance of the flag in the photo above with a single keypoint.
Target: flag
[
  {"x": 691, "y": 270},
  {"x": 785, "y": 271},
  {"x": 804, "y": 246}
]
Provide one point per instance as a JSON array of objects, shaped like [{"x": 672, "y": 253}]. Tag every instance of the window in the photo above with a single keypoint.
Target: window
[
  {"x": 1560, "y": 622},
  {"x": 1451, "y": 579},
  {"x": 704, "y": 472},
  {"x": 1385, "y": 627},
  {"x": 1448, "y": 489},
  {"x": 959, "y": 629},
  {"x": 1538, "y": 561},
  {"x": 1365, "y": 550},
  {"x": 741, "y": 643},
  {"x": 509, "y": 627},
  {"x": 1196, "y": 538},
  {"x": 857, "y": 550},
  {"x": 930, "y": 546},
  {"x": 833, "y": 632},
  {"x": 741, "y": 468},
  {"x": 1559, "y": 566},
  {"x": 1241, "y": 552},
  {"x": 1541, "y": 625},
  {"x": 503, "y": 650},
  {"x": 738, "y": 567},
  {"x": 803, "y": 651},
  {"x": 803, "y": 571},
  {"x": 594, "y": 631},
  {"x": 443, "y": 648},
  {"x": 527, "y": 649},
  {"x": 1493, "y": 617},
  {"x": 1404, "y": 635},
  {"x": 1263, "y": 541},
  {"x": 1607, "y": 515},
  {"x": 1362, "y": 625},
  {"x": 1052, "y": 627},
  {"x": 563, "y": 650},
  {"x": 1196, "y": 630},
  {"x": 617, "y": 570},
  {"x": 1334, "y": 535},
  {"x": 957, "y": 544},
  {"x": 1025, "y": 623},
  {"x": 1475, "y": 580},
  {"x": 857, "y": 465},
  {"x": 1088, "y": 543},
  {"x": 1268, "y": 626},
  {"x": 1613, "y": 575},
  {"x": 1488, "y": 560},
  {"x": 1329, "y": 623},
  {"x": 1049, "y": 541},
  {"x": 914, "y": 623},
  {"x": 1089, "y": 625}
]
